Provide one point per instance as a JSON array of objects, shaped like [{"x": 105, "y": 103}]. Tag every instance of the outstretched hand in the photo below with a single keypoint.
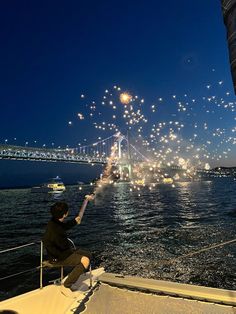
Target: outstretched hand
[
  {"x": 90, "y": 197},
  {"x": 78, "y": 220}
]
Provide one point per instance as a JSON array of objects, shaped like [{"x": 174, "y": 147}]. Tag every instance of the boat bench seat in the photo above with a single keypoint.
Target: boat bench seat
[{"x": 48, "y": 264}]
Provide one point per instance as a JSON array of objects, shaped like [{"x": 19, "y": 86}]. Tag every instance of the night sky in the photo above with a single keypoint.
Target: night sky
[{"x": 52, "y": 52}]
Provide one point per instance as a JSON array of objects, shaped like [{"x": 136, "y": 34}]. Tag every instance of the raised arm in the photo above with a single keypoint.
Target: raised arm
[{"x": 83, "y": 207}]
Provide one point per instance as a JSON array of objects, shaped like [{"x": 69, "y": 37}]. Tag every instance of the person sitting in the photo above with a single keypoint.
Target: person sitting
[{"x": 59, "y": 248}]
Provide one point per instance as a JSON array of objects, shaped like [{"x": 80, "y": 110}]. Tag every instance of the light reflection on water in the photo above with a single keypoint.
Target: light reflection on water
[{"x": 132, "y": 235}]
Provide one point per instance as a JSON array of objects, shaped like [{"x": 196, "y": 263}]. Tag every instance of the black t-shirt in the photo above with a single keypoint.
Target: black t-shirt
[{"x": 55, "y": 239}]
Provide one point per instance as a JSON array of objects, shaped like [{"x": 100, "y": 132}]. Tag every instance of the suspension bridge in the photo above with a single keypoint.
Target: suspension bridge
[
  {"x": 125, "y": 159},
  {"x": 95, "y": 153}
]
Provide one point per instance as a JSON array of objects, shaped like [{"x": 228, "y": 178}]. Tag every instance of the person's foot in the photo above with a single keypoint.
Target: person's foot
[{"x": 84, "y": 287}]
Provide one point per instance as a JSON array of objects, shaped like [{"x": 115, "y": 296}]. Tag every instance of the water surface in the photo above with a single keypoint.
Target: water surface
[{"x": 129, "y": 234}]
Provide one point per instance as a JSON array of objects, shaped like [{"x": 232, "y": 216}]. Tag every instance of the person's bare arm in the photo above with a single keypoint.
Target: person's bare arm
[{"x": 83, "y": 207}]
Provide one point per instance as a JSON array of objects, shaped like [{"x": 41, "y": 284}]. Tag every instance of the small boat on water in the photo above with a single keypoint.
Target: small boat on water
[
  {"x": 168, "y": 180},
  {"x": 55, "y": 185},
  {"x": 139, "y": 182}
]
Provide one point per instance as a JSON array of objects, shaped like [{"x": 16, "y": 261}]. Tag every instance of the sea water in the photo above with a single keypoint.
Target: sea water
[{"x": 139, "y": 232}]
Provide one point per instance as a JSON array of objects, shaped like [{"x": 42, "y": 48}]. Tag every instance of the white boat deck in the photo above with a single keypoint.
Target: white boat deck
[
  {"x": 127, "y": 295},
  {"x": 50, "y": 299},
  {"x": 113, "y": 300},
  {"x": 172, "y": 288}
]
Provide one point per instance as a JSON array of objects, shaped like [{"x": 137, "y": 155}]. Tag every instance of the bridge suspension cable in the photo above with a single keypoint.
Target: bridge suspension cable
[
  {"x": 144, "y": 157},
  {"x": 99, "y": 148}
]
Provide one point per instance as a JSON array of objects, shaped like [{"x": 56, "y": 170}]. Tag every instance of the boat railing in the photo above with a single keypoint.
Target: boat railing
[
  {"x": 40, "y": 267},
  {"x": 18, "y": 248},
  {"x": 43, "y": 264}
]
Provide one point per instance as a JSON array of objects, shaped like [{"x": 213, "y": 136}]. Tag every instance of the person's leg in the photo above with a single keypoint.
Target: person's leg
[
  {"x": 74, "y": 275},
  {"x": 80, "y": 262}
]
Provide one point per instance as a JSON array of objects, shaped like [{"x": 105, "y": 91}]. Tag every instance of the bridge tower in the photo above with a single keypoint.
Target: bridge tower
[{"x": 124, "y": 162}]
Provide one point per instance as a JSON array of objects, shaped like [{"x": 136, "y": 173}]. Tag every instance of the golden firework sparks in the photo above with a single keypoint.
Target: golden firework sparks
[{"x": 125, "y": 98}]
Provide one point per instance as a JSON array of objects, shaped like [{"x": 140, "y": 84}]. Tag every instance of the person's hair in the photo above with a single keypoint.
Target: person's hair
[{"x": 59, "y": 209}]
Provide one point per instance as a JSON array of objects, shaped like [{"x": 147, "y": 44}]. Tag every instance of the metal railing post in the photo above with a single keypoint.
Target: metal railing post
[
  {"x": 62, "y": 274},
  {"x": 90, "y": 276},
  {"x": 41, "y": 265}
]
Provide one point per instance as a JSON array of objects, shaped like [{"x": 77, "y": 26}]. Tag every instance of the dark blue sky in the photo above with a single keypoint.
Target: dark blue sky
[{"x": 54, "y": 51}]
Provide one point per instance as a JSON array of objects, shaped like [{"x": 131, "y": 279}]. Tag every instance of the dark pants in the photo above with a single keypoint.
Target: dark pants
[{"x": 75, "y": 260}]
